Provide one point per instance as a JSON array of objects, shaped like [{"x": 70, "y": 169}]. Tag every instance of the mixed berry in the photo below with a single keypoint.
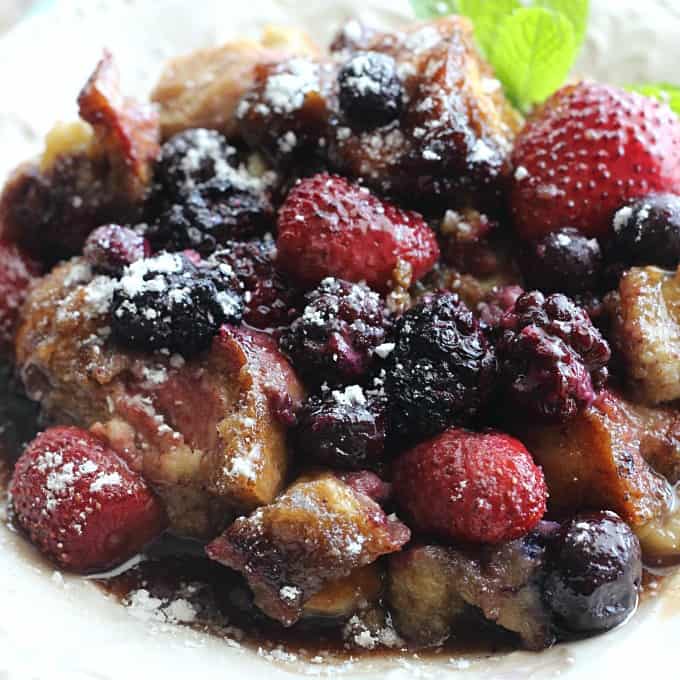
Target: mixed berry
[{"x": 267, "y": 349}]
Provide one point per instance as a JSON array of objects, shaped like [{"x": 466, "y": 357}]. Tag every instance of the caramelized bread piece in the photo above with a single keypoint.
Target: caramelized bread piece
[
  {"x": 208, "y": 433},
  {"x": 429, "y": 586},
  {"x": 317, "y": 532},
  {"x": 595, "y": 461},
  {"x": 91, "y": 173},
  {"x": 202, "y": 89},
  {"x": 647, "y": 332}
]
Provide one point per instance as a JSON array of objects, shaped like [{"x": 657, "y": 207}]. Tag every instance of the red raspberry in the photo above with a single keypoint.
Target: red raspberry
[
  {"x": 16, "y": 273},
  {"x": 330, "y": 227},
  {"x": 468, "y": 486},
  {"x": 591, "y": 148},
  {"x": 80, "y": 503}
]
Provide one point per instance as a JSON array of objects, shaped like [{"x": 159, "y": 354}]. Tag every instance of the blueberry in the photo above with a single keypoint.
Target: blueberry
[
  {"x": 168, "y": 302},
  {"x": 111, "y": 248},
  {"x": 647, "y": 232},
  {"x": 564, "y": 261},
  {"x": 371, "y": 93},
  {"x": 594, "y": 573},
  {"x": 343, "y": 428}
]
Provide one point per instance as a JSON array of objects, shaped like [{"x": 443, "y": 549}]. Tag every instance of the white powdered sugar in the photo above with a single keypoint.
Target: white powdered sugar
[
  {"x": 104, "y": 480},
  {"x": 384, "y": 350},
  {"x": 145, "y": 607},
  {"x": 285, "y": 92},
  {"x": 621, "y": 217},
  {"x": 352, "y": 395}
]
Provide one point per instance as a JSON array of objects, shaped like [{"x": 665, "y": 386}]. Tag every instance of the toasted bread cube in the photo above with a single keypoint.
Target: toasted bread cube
[
  {"x": 595, "y": 462},
  {"x": 318, "y": 531}
]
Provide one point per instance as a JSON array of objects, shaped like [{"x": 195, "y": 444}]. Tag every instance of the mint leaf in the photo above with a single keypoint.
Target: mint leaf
[
  {"x": 576, "y": 11},
  {"x": 534, "y": 51},
  {"x": 665, "y": 92},
  {"x": 431, "y": 9},
  {"x": 486, "y": 16}
]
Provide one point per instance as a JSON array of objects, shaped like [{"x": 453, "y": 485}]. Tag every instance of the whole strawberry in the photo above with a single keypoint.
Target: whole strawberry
[
  {"x": 588, "y": 150},
  {"x": 330, "y": 227},
  {"x": 466, "y": 486},
  {"x": 16, "y": 273},
  {"x": 80, "y": 503}
]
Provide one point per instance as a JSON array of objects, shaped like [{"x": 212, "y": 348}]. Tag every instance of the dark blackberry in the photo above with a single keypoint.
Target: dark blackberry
[
  {"x": 564, "y": 261},
  {"x": 201, "y": 197},
  {"x": 169, "y": 302},
  {"x": 343, "y": 428},
  {"x": 371, "y": 93},
  {"x": 552, "y": 358},
  {"x": 594, "y": 573},
  {"x": 647, "y": 232},
  {"x": 442, "y": 371},
  {"x": 336, "y": 337},
  {"x": 111, "y": 248},
  {"x": 271, "y": 301}
]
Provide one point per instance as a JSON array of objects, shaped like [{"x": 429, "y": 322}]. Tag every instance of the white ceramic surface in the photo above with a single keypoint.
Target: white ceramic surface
[{"x": 62, "y": 628}]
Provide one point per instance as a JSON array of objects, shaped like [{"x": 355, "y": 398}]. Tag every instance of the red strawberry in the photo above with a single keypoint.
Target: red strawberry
[
  {"x": 587, "y": 151},
  {"x": 16, "y": 273},
  {"x": 330, "y": 227},
  {"x": 471, "y": 487},
  {"x": 80, "y": 503}
]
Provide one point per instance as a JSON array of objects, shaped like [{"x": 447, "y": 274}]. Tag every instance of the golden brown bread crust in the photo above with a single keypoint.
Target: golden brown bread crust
[{"x": 207, "y": 433}]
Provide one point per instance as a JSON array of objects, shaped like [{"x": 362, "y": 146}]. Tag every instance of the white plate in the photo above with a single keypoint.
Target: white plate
[{"x": 57, "y": 628}]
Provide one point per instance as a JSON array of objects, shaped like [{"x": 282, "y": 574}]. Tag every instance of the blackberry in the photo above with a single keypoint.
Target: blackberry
[
  {"x": 271, "y": 301},
  {"x": 336, "y": 337},
  {"x": 170, "y": 302},
  {"x": 442, "y": 371},
  {"x": 647, "y": 232},
  {"x": 111, "y": 248},
  {"x": 201, "y": 197},
  {"x": 371, "y": 92},
  {"x": 343, "y": 428},
  {"x": 564, "y": 261},
  {"x": 594, "y": 573},
  {"x": 552, "y": 358}
]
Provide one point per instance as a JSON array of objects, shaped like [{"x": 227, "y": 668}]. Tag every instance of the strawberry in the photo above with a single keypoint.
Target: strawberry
[
  {"x": 17, "y": 271},
  {"x": 330, "y": 227},
  {"x": 467, "y": 486},
  {"x": 80, "y": 503},
  {"x": 588, "y": 150}
]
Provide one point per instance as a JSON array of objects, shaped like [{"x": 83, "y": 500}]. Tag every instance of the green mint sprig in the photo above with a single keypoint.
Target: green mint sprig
[
  {"x": 532, "y": 47},
  {"x": 665, "y": 92}
]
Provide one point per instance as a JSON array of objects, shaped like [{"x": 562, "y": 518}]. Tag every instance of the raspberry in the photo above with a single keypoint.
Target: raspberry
[
  {"x": 270, "y": 299},
  {"x": 111, "y": 248},
  {"x": 564, "y": 261},
  {"x": 343, "y": 429},
  {"x": 466, "y": 486},
  {"x": 80, "y": 503},
  {"x": 336, "y": 337},
  {"x": 17, "y": 271},
  {"x": 501, "y": 298},
  {"x": 330, "y": 227},
  {"x": 201, "y": 198},
  {"x": 370, "y": 90},
  {"x": 169, "y": 302},
  {"x": 552, "y": 358},
  {"x": 442, "y": 371}
]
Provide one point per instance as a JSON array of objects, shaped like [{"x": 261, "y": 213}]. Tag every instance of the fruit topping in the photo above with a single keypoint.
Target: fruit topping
[
  {"x": 594, "y": 574},
  {"x": 318, "y": 531},
  {"x": 331, "y": 227},
  {"x": 111, "y": 248},
  {"x": 167, "y": 302},
  {"x": 552, "y": 359},
  {"x": 370, "y": 90},
  {"x": 648, "y": 231},
  {"x": 337, "y": 338},
  {"x": 270, "y": 300},
  {"x": 466, "y": 486},
  {"x": 343, "y": 429},
  {"x": 563, "y": 261},
  {"x": 202, "y": 197},
  {"x": 589, "y": 149},
  {"x": 80, "y": 503},
  {"x": 442, "y": 370}
]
